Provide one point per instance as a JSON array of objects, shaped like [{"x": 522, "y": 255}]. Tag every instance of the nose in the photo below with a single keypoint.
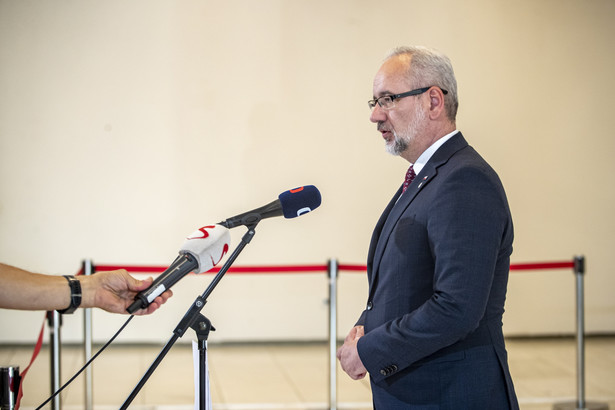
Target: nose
[{"x": 378, "y": 114}]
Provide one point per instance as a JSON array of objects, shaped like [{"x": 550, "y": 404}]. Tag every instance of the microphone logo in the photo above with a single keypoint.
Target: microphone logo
[
  {"x": 203, "y": 231},
  {"x": 224, "y": 252},
  {"x": 303, "y": 211}
]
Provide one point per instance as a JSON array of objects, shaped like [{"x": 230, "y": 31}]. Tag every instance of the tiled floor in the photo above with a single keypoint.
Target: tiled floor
[{"x": 294, "y": 376}]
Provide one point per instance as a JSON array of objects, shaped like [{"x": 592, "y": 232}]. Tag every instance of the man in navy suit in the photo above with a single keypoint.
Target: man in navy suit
[{"x": 430, "y": 336}]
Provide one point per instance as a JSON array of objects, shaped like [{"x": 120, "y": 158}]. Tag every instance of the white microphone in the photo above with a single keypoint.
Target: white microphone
[
  {"x": 208, "y": 245},
  {"x": 201, "y": 251}
]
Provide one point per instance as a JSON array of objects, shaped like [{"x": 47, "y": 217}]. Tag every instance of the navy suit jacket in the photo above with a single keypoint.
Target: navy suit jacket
[{"x": 438, "y": 267}]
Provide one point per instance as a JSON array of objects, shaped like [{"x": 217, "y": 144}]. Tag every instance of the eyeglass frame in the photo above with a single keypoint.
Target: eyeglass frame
[{"x": 393, "y": 97}]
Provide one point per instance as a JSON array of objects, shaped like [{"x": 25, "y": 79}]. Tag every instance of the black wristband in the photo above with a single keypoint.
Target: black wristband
[{"x": 75, "y": 295}]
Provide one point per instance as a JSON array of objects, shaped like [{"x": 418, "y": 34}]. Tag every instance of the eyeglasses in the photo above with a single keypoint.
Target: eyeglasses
[{"x": 388, "y": 101}]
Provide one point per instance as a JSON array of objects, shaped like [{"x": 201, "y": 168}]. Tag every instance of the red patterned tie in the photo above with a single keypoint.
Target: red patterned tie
[{"x": 409, "y": 178}]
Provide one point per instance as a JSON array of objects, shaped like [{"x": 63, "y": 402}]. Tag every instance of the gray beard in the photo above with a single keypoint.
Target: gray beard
[
  {"x": 399, "y": 145},
  {"x": 402, "y": 142}
]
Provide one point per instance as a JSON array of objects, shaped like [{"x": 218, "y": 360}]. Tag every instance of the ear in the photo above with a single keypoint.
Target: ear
[{"x": 436, "y": 103}]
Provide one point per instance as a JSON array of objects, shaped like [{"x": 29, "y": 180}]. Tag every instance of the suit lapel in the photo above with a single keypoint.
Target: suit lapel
[
  {"x": 378, "y": 230},
  {"x": 396, "y": 207}
]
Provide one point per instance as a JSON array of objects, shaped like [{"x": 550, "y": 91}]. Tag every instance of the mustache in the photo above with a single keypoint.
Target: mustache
[{"x": 381, "y": 127}]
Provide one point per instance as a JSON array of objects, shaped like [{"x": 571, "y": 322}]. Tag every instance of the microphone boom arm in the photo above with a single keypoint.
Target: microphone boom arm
[
  {"x": 252, "y": 218},
  {"x": 194, "y": 312}
]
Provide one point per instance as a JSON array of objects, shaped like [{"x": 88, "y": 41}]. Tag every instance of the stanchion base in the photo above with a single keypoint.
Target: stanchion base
[{"x": 588, "y": 406}]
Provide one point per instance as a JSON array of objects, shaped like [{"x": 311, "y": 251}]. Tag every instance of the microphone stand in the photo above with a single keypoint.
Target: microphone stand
[{"x": 195, "y": 320}]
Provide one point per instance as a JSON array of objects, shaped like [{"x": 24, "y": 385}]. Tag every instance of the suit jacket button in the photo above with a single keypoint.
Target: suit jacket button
[
  {"x": 383, "y": 372},
  {"x": 370, "y": 305}
]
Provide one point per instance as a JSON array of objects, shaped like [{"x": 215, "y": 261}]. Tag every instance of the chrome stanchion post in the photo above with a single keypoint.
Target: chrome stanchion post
[
  {"x": 333, "y": 275},
  {"x": 55, "y": 323},
  {"x": 88, "y": 269},
  {"x": 9, "y": 387},
  {"x": 580, "y": 404},
  {"x": 579, "y": 271}
]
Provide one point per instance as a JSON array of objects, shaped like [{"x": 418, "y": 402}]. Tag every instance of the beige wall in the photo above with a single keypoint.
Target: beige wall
[{"x": 125, "y": 125}]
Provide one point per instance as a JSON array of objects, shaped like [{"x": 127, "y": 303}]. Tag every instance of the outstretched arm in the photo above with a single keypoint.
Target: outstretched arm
[{"x": 111, "y": 291}]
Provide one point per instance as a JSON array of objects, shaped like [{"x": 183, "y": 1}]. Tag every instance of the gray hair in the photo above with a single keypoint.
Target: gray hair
[{"x": 429, "y": 67}]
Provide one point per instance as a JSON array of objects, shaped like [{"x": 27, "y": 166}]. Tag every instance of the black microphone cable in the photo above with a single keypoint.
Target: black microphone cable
[{"x": 87, "y": 363}]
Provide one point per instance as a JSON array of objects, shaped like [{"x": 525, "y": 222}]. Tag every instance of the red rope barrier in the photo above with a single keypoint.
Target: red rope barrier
[
  {"x": 353, "y": 268},
  {"x": 542, "y": 265},
  {"x": 237, "y": 269},
  {"x": 274, "y": 269},
  {"x": 317, "y": 268}
]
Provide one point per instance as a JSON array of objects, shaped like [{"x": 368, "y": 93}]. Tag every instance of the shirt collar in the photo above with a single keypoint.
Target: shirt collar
[{"x": 426, "y": 155}]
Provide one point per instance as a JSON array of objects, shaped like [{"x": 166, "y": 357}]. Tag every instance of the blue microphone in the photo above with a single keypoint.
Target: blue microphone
[{"x": 292, "y": 203}]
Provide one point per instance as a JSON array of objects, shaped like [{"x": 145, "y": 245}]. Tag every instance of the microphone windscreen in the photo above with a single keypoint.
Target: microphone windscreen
[
  {"x": 298, "y": 201},
  {"x": 208, "y": 245}
]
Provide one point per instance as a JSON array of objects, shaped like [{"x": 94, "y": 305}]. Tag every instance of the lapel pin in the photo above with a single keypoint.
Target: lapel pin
[{"x": 424, "y": 179}]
